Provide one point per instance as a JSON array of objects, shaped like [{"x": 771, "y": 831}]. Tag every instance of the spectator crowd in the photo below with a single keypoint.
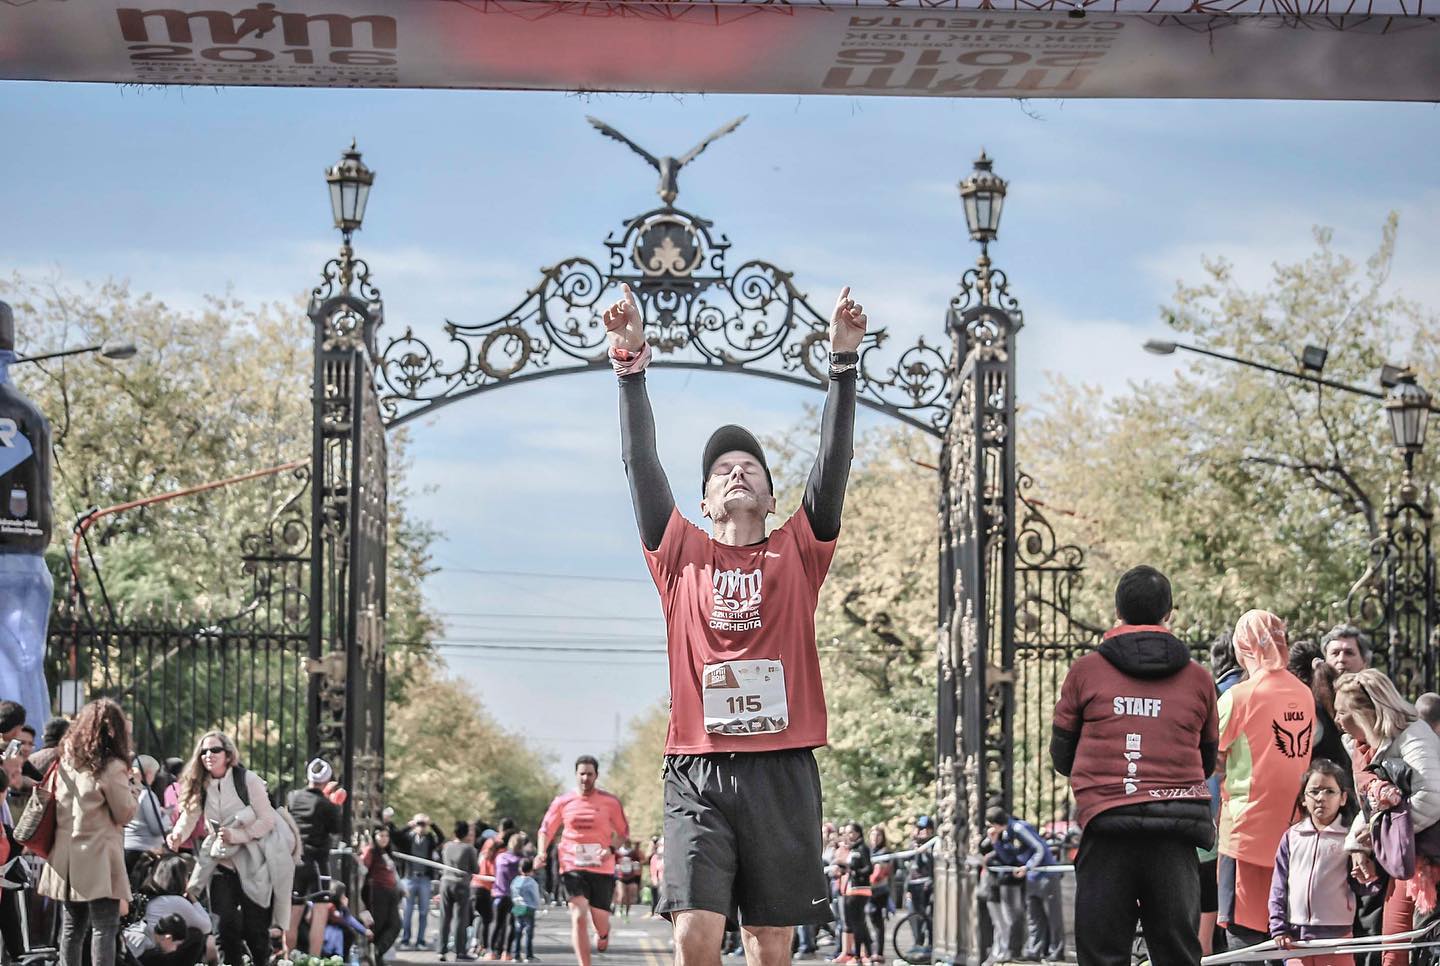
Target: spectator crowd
[
  {"x": 1288, "y": 800},
  {"x": 109, "y": 856},
  {"x": 1290, "y": 795}
]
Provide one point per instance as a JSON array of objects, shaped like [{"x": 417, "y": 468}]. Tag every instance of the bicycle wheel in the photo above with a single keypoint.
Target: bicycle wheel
[{"x": 904, "y": 946}]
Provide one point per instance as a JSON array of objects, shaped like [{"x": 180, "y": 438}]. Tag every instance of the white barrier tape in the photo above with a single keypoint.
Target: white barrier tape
[
  {"x": 426, "y": 862},
  {"x": 892, "y": 856},
  {"x": 1299, "y": 952},
  {"x": 1038, "y": 868},
  {"x": 1269, "y": 944},
  {"x": 1268, "y": 949}
]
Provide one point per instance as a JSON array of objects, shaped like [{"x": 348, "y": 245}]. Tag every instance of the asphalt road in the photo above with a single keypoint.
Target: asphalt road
[{"x": 641, "y": 941}]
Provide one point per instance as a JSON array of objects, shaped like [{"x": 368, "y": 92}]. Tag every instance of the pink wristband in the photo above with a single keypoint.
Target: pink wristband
[{"x": 632, "y": 363}]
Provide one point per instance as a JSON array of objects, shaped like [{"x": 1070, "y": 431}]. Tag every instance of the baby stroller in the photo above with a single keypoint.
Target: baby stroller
[{"x": 39, "y": 917}]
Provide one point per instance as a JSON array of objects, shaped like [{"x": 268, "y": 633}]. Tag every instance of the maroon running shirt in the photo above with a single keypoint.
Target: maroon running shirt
[
  {"x": 1139, "y": 738},
  {"x": 740, "y": 624}
]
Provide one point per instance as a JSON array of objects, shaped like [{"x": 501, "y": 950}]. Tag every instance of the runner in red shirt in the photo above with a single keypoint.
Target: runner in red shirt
[
  {"x": 594, "y": 822},
  {"x": 742, "y": 791}
]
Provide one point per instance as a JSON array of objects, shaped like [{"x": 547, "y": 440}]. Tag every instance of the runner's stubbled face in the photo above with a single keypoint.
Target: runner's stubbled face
[
  {"x": 737, "y": 486},
  {"x": 585, "y": 776}
]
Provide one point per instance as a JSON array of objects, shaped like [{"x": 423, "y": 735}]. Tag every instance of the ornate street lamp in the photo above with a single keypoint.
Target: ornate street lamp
[
  {"x": 1408, "y": 406},
  {"x": 983, "y": 193},
  {"x": 349, "y": 180},
  {"x": 350, "y": 183}
]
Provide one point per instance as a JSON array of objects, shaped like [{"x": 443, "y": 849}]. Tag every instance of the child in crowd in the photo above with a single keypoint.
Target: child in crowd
[
  {"x": 1312, "y": 894},
  {"x": 337, "y": 943},
  {"x": 525, "y": 899}
]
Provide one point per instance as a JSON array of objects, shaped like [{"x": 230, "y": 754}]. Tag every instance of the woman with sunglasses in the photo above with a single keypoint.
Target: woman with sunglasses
[{"x": 235, "y": 807}]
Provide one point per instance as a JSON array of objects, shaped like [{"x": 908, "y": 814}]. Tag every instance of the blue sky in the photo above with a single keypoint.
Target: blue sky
[{"x": 187, "y": 192}]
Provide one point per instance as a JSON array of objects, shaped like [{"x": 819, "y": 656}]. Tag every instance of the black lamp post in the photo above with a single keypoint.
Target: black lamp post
[
  {"x": 977, "y": 574},
  {"x": 347, "y": 508},
  {"x": 1395, "y": 599},
  {"x": 1397, "y": 595},
  {"x": 111, "y": 349}
]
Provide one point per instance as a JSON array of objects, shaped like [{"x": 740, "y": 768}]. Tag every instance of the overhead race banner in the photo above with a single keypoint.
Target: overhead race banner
[{"x": 1353, "y": 50}]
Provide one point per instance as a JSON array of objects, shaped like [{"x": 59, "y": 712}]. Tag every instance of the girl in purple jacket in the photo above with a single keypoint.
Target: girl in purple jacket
[{"x": 1311, "y": 893}]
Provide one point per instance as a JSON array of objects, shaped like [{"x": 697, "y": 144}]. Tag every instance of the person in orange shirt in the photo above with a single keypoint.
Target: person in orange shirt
[
  {"x": 594, "y": 822},
  {"x": 1267, "y": 725}
]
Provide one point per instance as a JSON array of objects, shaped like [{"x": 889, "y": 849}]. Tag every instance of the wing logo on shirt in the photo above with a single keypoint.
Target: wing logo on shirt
[{"x": 1291, "y": 744}]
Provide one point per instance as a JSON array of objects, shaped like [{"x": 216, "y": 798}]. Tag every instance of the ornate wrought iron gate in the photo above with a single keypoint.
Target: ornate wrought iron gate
[
  {"x": 347, "y": 577},
  {"x": 1048, "y": 637},
  {"x": 977, "y": 577},
  {"x": 1394, "y": 600},
  {"x": 321, "y": 582},
  {"x": 241, "y": 674},
  {"x": 1006, "y": 635}
]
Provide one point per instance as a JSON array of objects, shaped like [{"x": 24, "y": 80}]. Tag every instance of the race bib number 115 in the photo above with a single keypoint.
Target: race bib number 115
[{"x": 745, "y": 698}]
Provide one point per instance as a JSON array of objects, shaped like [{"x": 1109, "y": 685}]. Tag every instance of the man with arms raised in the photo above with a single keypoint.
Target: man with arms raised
[
  {"x": 594, "y": 823},
  {"x": 742, "y": 792}
]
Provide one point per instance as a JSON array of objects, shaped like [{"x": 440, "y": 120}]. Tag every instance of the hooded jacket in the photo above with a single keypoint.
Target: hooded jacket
[
  {"x": 1267, "y": 724},
  {"x": 1136, "y": 731}
]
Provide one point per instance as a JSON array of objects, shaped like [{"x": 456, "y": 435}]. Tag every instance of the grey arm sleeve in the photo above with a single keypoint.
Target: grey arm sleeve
[
  {"x": 649, "y": 489},
  {"x": 825, "y": 490}
]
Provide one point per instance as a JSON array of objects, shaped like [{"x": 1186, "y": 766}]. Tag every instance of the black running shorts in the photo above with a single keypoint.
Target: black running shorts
[
  {"x": 742, "y": 838},
  {"x": 596, "y": 888}
]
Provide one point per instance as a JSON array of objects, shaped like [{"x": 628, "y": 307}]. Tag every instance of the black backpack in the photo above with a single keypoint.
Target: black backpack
[{"x": 242, "y": 789}]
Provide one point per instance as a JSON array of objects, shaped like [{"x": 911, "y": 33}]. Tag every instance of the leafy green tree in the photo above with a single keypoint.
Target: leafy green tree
[
  {"x": 1247, "y": 488},
  {"x": 634, "y": 774},
  {"x": 875, "y": 624},
  {"x": 445, "y": 755},
  {"x": 212, "y": 394}
]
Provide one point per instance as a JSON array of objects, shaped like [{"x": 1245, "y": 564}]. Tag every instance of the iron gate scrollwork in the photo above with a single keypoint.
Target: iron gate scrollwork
[
  {"x": 347, "y": 626},
  {"x": 699, "y": 315},
  {"x": 1048, "y": 637},
  {"x": 238, "y": 674},
  {"x": 978, "y": 573},
  {"x": 1394, "y": 599}
]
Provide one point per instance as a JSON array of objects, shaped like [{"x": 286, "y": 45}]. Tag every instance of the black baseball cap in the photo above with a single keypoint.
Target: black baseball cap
[{"x": 728, "y": 439}]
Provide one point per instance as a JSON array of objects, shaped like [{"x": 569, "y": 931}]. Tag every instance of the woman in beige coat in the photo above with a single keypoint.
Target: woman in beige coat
[
  {"x": 94, "y": 799},
  {"x": 234, "y": 805}
]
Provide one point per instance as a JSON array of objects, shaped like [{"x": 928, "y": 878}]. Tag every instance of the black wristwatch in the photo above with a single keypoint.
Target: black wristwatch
[{"x": 843, "y": 362}]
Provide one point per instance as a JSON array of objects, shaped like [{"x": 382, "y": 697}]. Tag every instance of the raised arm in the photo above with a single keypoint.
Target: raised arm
[
  {"x": 825, "y": 490},
  {"x": 649, "y": 488}
]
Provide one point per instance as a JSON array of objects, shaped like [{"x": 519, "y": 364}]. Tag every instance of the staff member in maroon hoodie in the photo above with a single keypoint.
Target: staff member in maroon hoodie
[{"x": 1136, "y": 732}]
